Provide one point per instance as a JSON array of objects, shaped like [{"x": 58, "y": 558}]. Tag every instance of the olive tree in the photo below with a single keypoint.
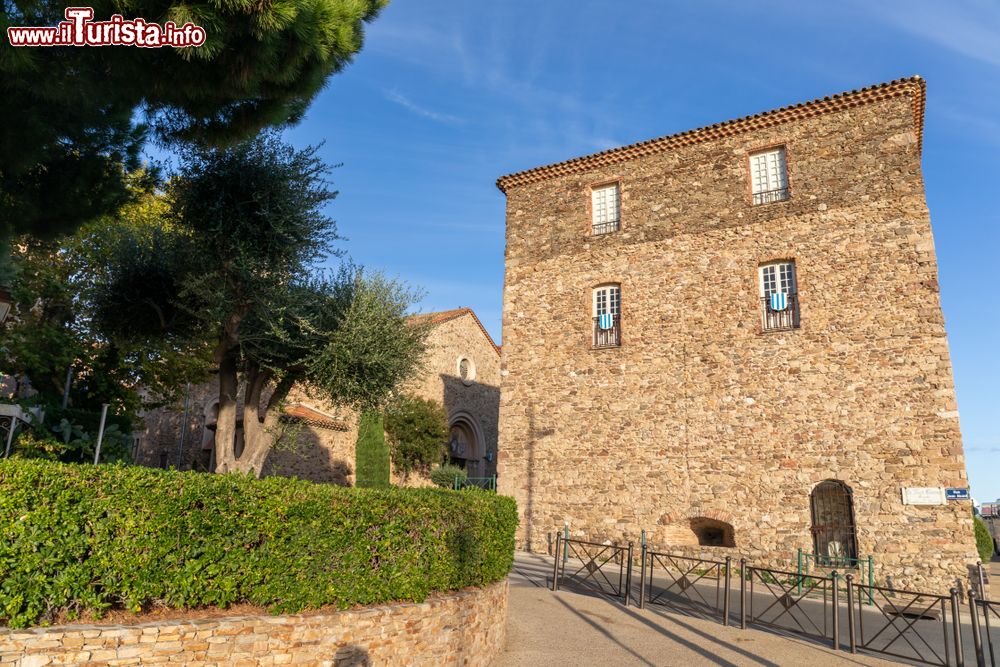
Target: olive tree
[{"x": 252, "y": 225}]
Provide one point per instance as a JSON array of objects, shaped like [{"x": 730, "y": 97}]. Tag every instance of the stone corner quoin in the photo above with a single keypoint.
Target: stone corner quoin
[{"x": 700, "y": 417}]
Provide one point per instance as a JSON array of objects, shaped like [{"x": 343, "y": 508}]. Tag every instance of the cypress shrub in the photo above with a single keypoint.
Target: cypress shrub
[
  {"x": 371, "y": 455},
  {"x": 77, "y": 538},
  {"x": 984, "y": 541}
]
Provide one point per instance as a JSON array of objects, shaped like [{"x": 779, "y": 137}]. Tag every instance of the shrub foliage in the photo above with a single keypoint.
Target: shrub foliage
[
  {"x": 984, "y": 541},
  {"x": 418, "y": 433},
  {"x": 444, "y": 475},
  {"x": 79, "y": 538},
  {"x": 371, "y": 465}
]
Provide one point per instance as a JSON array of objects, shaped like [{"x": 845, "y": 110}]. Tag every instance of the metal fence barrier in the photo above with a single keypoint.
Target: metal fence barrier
[
  {"x": 695, "y": 586},
  {"x": 791, "y": 602},
  {"x": 605, "y": 569},
  {"x": 486, "y": 483},
  {"x": 918, "y": 627},
  {"x": 906, "y": 624},
  {"x": 865, "y": 566},
  {"x": 985, "y": 630}
]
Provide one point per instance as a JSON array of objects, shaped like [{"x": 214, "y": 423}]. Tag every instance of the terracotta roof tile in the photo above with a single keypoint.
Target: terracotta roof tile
[
  {"x": 434, "y": 319},
  {"x": 439, "y": 317},
  {"x": 302, "y": 413},
  {"x": 914, "y": 86}
]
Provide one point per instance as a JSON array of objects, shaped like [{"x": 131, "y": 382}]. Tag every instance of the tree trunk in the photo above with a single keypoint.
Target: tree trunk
[
  {"x": 256, "y": 443},
  {"x": 258, "y": 428},
  {"x": 260, "y": 424},
  {"x": 225, "y": 425}
]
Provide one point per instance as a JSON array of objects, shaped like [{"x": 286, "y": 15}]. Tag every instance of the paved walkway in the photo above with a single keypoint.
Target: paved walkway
[{"x": 567, "y": 628}]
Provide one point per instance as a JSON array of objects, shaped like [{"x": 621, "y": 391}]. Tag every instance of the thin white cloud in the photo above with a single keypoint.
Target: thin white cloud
[
  {"x": 408, "y": 104},
  {"x": 986, "y": 127},
  {"x": 969, "y": 27}
]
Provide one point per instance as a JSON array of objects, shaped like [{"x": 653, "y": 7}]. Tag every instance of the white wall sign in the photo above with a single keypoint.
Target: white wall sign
[{"x": 923, "y": 495}]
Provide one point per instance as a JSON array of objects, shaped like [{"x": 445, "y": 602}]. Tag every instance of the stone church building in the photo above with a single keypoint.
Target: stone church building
[
  {"x": 460, "y": 370},
  {"x": 732, "y": 339}
]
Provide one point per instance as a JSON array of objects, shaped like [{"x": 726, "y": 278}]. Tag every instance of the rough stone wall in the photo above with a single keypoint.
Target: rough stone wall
[
  {"x": 478, "y": 397},
  {"x": 323, "y": 454},
  {"x": 316, "y": 453},
  {"x": 160, "y": 440},
  {"x": 464, "y": 628},
  {"x": 698, "y": 413}
]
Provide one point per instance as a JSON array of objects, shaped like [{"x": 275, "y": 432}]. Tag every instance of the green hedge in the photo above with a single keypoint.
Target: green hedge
[{"x": 79, "y": 537}]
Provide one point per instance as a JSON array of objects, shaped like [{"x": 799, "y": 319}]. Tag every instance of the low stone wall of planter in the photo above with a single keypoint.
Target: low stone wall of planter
[{"x": 462, "y": 628}]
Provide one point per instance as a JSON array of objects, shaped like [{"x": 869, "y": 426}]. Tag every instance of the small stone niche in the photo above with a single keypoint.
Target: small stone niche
[{"x": 712, "y": 532}]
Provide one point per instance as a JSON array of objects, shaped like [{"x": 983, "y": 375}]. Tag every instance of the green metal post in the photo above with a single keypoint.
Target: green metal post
[
  {"x": 799, "y": 573},
  {"x": 643, "y": 538},
  {"x": 565, "y": 537},
  {"x": 454, "y": 485},
  {"x": 494, "y": 483},
  {"x": 871, "y": 580}
]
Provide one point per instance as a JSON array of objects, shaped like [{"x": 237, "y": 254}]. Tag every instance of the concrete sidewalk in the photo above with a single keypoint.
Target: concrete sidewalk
[{"x": 567, "y": 628}]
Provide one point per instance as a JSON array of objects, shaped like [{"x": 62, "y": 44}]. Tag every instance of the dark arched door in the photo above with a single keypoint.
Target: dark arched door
[{"x": 834, "y": 537}]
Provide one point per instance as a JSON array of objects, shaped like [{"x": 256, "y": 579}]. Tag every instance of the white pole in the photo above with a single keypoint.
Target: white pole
[
  {"x": 10, "y": 436},
  {"x": 100, "y": 433}
]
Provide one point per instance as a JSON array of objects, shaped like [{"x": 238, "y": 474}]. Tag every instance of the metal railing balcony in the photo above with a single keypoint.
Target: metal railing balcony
[
  {"x": 783, "y": 319},
  {"x": 768, "y": 196},
  {"x": 605, "y": 336},
  {"x": 599, "y": 228}
]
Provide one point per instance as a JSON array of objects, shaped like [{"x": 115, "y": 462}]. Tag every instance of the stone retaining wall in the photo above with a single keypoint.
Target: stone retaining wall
[{"x": 463, "y": 628}]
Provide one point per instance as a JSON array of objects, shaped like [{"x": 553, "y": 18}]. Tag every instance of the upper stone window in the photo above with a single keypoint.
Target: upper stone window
[
  {"x": 607, "y": 316},
  {"x": 769, "y": 176},
  {"x": 779, "y": 296},
  {"x": 605, "y": 209},
  {"x": 466, "y": 370}
]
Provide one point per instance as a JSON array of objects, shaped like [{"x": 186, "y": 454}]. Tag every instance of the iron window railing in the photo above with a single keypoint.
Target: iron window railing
[
  {"x": 780, "y": 320},
  {"x": 768, "y": 196},
  {"x": 608, "y": 336},
  {"x": 599, "y": 228}
]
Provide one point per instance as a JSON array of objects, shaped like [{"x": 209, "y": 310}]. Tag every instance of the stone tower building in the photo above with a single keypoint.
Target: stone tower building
[
  {"x": 731, "y": 338},
  {"x": 460, "y": 370}
]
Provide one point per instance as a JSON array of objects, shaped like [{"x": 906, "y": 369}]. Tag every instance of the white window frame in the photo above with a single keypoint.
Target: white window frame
[
  {"x": 778, "y": 277},
  {"x": 769, "y": 176},
  {"x": 782, "y": 278},
  {"x": 605, "y": 208},
  {"x": 612, "y": 301}
]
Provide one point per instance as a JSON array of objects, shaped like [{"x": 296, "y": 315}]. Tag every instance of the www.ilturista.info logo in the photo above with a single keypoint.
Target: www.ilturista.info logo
[{"x": 79, "y": 30}]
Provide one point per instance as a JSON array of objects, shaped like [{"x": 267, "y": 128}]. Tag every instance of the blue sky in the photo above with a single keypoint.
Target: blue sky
[{"x": 447, "y": 96}]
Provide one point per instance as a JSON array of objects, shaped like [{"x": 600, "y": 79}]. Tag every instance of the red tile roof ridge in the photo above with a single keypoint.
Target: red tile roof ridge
[
  {"x": 914, "y": 86},
  {"x": 440, "y": 317},
  {"x": 309, "y": 415}
]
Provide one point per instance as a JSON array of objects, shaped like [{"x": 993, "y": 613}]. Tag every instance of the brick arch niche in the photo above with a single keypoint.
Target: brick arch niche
[
  {"x": 713, "y": 532},
  {"x": 711, "y": 528}
]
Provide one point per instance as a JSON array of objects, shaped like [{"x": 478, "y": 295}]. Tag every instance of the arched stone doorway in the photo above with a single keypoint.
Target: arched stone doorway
[
  {"x": 834, "y": 535},
  {"x": 465, "y": 444}
]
